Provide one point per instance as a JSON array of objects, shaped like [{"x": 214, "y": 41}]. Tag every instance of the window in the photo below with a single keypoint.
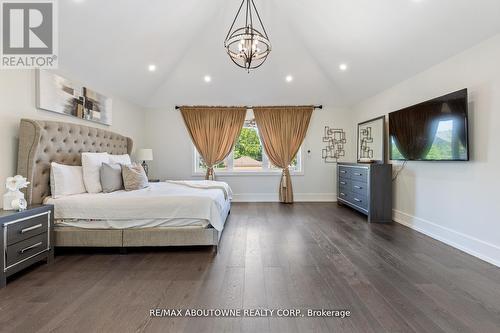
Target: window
[{"x": 248, "y": 155}]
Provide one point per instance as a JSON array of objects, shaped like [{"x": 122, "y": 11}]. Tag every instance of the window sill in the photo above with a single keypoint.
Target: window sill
[{"x": 246, "y": 173}]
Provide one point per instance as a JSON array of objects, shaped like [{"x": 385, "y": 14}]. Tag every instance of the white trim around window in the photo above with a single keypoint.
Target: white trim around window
[{"x": 229, "y": 171}]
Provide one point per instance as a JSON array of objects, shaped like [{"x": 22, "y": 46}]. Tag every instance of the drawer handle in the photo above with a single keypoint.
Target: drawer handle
[
  {"x": 357, "y": 200},
  {"x": 31, "y": 228},
  {"x": 343, "y": 183},
  {"x": 342, "y": 171},
  {"x": 342, "y": 194},
  {"x": 358, "y": 187},
  {"x": 358, "y": 174},
  {"x": 30, "y": 247}
]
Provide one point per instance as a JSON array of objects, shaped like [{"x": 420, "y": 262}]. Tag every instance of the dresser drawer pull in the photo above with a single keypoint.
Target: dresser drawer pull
[
  {"x": 358, "y": 187},
  {"x": 358, "y": 174},
  {"x": 342, "y": 171},
  {"x": 30, "y": 247},
  {"x": 342, "y": 194},
  {"x": 357, "y": 200},
  {"x": 343, "y": 183},
  {"x": 31, "y": 228}
]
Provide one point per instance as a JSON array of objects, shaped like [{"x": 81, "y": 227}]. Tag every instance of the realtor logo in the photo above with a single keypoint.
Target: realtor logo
[{"x": 29, "y": 34}]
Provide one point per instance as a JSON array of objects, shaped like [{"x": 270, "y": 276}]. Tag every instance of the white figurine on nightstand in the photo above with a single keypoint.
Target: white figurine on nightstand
[{"x": 14, "y": 198}]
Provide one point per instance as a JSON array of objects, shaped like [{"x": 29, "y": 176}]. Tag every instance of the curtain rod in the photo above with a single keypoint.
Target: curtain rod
[{"x": 250, "y": 107}]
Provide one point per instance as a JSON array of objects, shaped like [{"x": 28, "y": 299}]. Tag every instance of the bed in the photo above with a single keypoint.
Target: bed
[{"x": 164, "y": 214}]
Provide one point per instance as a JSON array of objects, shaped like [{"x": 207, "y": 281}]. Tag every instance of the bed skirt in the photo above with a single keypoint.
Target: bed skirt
[{"x": 182, "y": 236}]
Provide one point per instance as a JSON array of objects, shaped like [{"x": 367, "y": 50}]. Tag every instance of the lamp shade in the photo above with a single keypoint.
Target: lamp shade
[{"x": 145, "y": 154}]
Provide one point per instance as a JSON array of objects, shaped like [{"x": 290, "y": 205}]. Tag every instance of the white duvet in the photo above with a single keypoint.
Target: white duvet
[{"x": 159, "y": 200}]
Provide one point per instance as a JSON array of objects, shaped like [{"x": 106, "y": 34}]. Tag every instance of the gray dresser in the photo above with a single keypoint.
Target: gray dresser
[{"x": 366, "y": 188}]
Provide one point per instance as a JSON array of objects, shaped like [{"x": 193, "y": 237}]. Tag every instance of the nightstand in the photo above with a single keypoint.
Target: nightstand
[{"x": 26, "y": 238}]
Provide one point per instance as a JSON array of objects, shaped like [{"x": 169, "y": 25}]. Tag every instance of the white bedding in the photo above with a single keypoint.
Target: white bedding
[
  {"x": 206, "y": 184},
  {"x": 158, "y": 201}
]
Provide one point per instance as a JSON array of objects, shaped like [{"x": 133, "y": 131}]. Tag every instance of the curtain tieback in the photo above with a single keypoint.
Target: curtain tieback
[
  {"x": 285, "y": 173},
  {"x": 210, "y": 173}
]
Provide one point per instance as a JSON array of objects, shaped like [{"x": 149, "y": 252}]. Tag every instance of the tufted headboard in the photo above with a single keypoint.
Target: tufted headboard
[{"x": 42, "y": 142}]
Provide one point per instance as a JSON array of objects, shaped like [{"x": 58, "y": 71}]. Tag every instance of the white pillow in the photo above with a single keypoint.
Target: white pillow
[
  {"x": 66, "y": 180},
  {"x": 91, "y": 164},
  {"x": 120, "y": 159}
]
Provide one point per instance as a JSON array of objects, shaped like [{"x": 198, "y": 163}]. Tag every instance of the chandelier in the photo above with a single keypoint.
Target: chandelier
[{"x": 248, "y": 46}]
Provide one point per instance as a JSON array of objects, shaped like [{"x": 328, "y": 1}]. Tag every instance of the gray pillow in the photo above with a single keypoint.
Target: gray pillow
[
  {"x": 111, "y": 177},
  {"x": 134, "y": 177}
]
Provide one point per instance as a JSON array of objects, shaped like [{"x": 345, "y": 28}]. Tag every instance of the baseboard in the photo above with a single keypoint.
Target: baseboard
[
  {"x": 473, "y": 246},
  {"x": 273, "y": 197}
]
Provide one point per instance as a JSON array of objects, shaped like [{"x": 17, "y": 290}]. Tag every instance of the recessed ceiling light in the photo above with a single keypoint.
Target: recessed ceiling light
[
  {"x": 343, "y": 67},
  {"x": 289, "y": 78},
  {"x": 207, "y": 78},
  {"x": 152, "y": 68}
]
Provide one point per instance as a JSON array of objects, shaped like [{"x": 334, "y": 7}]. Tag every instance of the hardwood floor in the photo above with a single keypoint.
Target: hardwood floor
[{"x": 306, "y": 255}]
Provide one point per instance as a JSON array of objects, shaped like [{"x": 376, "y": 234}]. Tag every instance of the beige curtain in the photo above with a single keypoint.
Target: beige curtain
[
  {"x": 214, "y": 131},
  {"x": 282, "y": 130}
]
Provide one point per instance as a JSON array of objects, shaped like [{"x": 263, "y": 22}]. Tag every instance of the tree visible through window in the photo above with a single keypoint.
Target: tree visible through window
[{"x": 248, "y": 153}]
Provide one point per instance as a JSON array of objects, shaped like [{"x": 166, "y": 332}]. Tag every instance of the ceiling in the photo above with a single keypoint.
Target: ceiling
[{"x": 110, "y": 43}]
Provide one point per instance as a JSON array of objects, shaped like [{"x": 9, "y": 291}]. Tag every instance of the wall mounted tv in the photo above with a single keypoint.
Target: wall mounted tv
[{"x": 436, "y": 130}]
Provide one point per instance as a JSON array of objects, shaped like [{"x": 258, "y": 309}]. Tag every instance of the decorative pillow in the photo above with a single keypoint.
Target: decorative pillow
[
  {"x": 134, "y": 177},
  {"x": 111, "y": 177},
  {"x": 66, "y": 180},
  {"x": 121, "y": 159},
  {"x": 91, "y": 164}
]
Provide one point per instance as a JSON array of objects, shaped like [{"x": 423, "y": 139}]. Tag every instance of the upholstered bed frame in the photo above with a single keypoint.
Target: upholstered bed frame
[{"x": 42, "y": 142}]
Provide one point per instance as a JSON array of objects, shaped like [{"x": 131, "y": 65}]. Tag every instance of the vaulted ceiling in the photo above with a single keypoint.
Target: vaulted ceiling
[{"x": 110, "y": 43}]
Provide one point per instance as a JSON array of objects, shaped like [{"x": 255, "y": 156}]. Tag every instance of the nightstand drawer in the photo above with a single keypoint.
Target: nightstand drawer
[
  {"x": 26, "y": 228},
  {"x": 26, "y": 248}
]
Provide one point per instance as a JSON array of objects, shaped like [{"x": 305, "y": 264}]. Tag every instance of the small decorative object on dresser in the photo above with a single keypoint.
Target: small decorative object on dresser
[
  {"x": 366, "y": 188},
  {"x": 26, "y": 239},
  {"x": 145, "y": 155}
]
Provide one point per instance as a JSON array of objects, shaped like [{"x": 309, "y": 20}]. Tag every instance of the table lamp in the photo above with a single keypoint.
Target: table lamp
[{"x": 144, "y": 155}]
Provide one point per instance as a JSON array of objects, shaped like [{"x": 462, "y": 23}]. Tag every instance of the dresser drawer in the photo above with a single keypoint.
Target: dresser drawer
[
  {"x": 359, "y": 200},
  {"x": 26, "y": 248},
  {"x": 344, "y": 172},
  {"x": 345, "y": 195},
  {"x": 24, "y": 229},
  {"x": 359, "y": 174},
  {"x": 344, "y": 182},
  {"x": 360, "y": 188}
]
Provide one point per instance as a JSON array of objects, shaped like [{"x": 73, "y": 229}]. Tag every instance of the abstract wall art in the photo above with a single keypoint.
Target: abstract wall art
[
  {"x": 58, "y": 94},
  {"x": 335, "y": 141}
]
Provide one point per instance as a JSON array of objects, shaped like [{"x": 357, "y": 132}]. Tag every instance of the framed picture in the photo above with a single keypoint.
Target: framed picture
[
  {"x": 58, "y": 94},
  {"x": 371, "y": 140}
]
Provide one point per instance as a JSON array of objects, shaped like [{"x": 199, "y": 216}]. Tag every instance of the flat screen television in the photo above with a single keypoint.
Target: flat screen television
[{"x": 435, "y": 130}]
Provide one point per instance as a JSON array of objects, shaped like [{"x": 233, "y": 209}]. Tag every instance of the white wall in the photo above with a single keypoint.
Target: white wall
[
  {"x": 173, "y": 158},
  {"x": 455, "y": 202},
  {"x": 18, "y": 100}
]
